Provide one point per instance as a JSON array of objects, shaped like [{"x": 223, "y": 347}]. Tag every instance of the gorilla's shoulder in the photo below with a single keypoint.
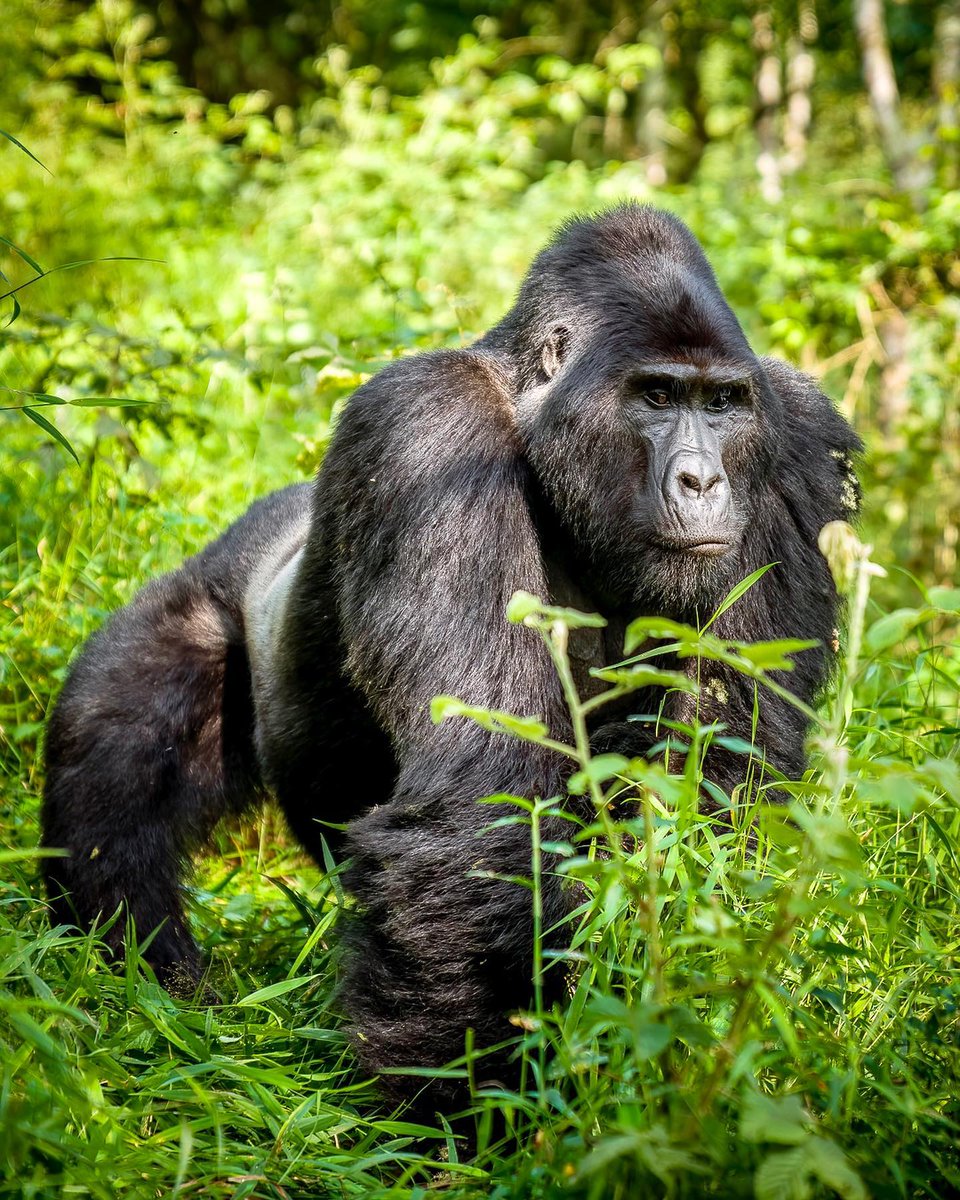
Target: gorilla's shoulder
[
  {"x": 815, "y": 469},
  {"x": 808, "y": 410},
  {"x": 434, "y": 381}
]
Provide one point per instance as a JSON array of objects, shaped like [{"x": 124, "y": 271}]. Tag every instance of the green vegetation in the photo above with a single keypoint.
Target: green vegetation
[{"x": 257, "y": 215}]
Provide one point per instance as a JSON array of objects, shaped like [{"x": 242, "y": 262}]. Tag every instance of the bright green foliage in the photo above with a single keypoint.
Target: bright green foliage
[{"x": 766, "y": 1005}]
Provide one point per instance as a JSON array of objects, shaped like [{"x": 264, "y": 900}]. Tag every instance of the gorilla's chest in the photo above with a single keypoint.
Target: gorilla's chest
[{"x": 587, "y": 648}]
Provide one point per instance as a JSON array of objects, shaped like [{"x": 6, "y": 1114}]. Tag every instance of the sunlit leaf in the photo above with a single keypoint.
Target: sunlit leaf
[
  {"x": 739, "y": 590},
  {"x": 525, "y": 607},
  {"x": 598, "y": 770},
  {"x": 644, "y": 628},
  {"x": 641, "y": 676},
  {"x": 53, "y": 431},
  {"x": 774, "y": 656},
  {"x": 21, "y": 146},
  {"x": 890, "y": 629},
  {"x": 529, "y": 729},
  {"x": 261, "y": 995}
]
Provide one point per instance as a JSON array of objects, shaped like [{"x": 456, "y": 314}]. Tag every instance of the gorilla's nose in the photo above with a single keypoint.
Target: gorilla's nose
[
  {"x": 696, "y": 480},
  {"x": 696, "y": 483}
]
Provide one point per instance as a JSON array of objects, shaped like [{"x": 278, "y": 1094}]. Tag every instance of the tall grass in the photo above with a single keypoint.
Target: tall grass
[{"x": 761, "y": 1007}]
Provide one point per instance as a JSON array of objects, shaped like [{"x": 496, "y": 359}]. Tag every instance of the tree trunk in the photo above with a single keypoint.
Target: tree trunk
[
  {"x": 618, "y": 128},
  {"x": 893, "y": 401},
  {"x": 946, "y": 86},
  {"x": 769, "y": 95},
  {"x": 800, "y": 72},
  {"x": 684, "y": 66},
  {"x": 908, "y": 175},
  {"x": 654, "y": 94}
]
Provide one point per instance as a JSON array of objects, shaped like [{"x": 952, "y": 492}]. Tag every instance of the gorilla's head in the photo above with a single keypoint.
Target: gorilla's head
[{"x": 644, "y": 413}]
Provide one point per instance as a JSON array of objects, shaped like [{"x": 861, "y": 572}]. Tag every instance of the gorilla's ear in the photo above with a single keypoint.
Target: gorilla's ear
[{"x": 554, "y": 350}]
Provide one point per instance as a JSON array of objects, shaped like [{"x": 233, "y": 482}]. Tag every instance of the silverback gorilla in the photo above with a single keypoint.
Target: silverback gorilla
[{"x": 615, "y": 442}]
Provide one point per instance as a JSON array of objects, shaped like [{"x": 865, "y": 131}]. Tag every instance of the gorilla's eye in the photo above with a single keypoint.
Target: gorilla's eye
[
  {"x": 657, "y": 398},
  {"x": 720, "y": 401}
]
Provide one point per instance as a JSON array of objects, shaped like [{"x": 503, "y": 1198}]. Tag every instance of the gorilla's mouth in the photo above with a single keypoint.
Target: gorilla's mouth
[{"x": 706, "y": 547}]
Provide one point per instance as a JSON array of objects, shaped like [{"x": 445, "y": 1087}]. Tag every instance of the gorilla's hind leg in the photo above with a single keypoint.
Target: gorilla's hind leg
[{"x": 149, "y": 744}]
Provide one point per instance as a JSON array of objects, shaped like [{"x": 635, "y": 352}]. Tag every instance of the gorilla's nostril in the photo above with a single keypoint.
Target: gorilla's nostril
[{"x": 690, "y": 482}]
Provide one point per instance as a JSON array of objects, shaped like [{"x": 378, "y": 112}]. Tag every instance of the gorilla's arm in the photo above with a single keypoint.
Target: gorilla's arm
[{"x": 422, "y": 502}]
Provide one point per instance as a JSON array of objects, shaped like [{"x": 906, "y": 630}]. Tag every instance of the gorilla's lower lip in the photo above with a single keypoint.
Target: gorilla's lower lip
[{"x": 708, "y": 547}]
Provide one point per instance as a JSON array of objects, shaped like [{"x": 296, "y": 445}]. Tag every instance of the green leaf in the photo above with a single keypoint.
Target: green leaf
[
  {"x": 654, "y": 1149},
  {"x": 523, "y": 605},
  {"x": 642, "y": 676},
  {"x": 275, "y": 989},
  {"x": 72, "y": 266},
  {"x": 303, "y": 908},
  {"x": 893, "y": 627},
  {"x": 28, "y": 854},
  {"x": 780, "y": 1017},
  {"x": 737, "y": 745},
  {"x": 713, "y": 921},
  {"x": 718, "y": 795},
  {"x": 688, "y": 1028},
  {"x": 507, "y": 798},
  {"x": 828, "y": 834},
  {"x": 598, "y": 770},
  {"x": 607, "y": 1152},
  {"x": 561, "y": 849},
  {"x": 651, "y": 1039},
  {"x": 22, "y": 253},
  {"x": 644, "y": 628},
  {"x": 110, "y": 402},
  {"x": 53, "y": 431},
  {"x": 783, "y": 1176},
  {"x": 779, "y": 1119},
  {"x": 894, "y": 790},
  {"x": 773, "y": 656},
  {"x": 830, "y": 1165},
  {"x": 737, "y": 591},
  {"x": 529, "y": 729},
  {"x": 21, "y": 146},
  {"x": 947, "y": 599},
  {"x": 46, "y": 400},
  {"x": 32, "y": 400},
  {"x": 407, "y": 1129},
  {"x": 525, "y": 608},
  {"x": 779, "y": 828}
]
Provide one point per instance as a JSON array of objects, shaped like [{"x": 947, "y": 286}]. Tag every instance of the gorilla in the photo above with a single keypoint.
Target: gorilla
[{"x": 613, "y": 442}]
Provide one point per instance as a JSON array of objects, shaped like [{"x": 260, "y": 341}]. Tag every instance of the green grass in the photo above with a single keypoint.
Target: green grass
[{"x": 750, "y": 1006}]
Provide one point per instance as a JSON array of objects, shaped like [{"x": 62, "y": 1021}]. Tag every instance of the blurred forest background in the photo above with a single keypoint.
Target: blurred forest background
[
  {"x": 217, "y": 217},
  {"x": 318, "y": 185}
]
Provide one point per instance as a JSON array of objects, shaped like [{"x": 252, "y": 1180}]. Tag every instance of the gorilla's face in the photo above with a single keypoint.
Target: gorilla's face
[
  {"x": 650, "y": 461},
  {"x": 687, "y": 421}
]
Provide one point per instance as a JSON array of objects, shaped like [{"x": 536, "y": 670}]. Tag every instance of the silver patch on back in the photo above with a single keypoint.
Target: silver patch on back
[{"x": 265, "y": 601}]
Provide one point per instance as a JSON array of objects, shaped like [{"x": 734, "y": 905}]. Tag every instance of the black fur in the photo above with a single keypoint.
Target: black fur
[{"x": 582, "y": 450}]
